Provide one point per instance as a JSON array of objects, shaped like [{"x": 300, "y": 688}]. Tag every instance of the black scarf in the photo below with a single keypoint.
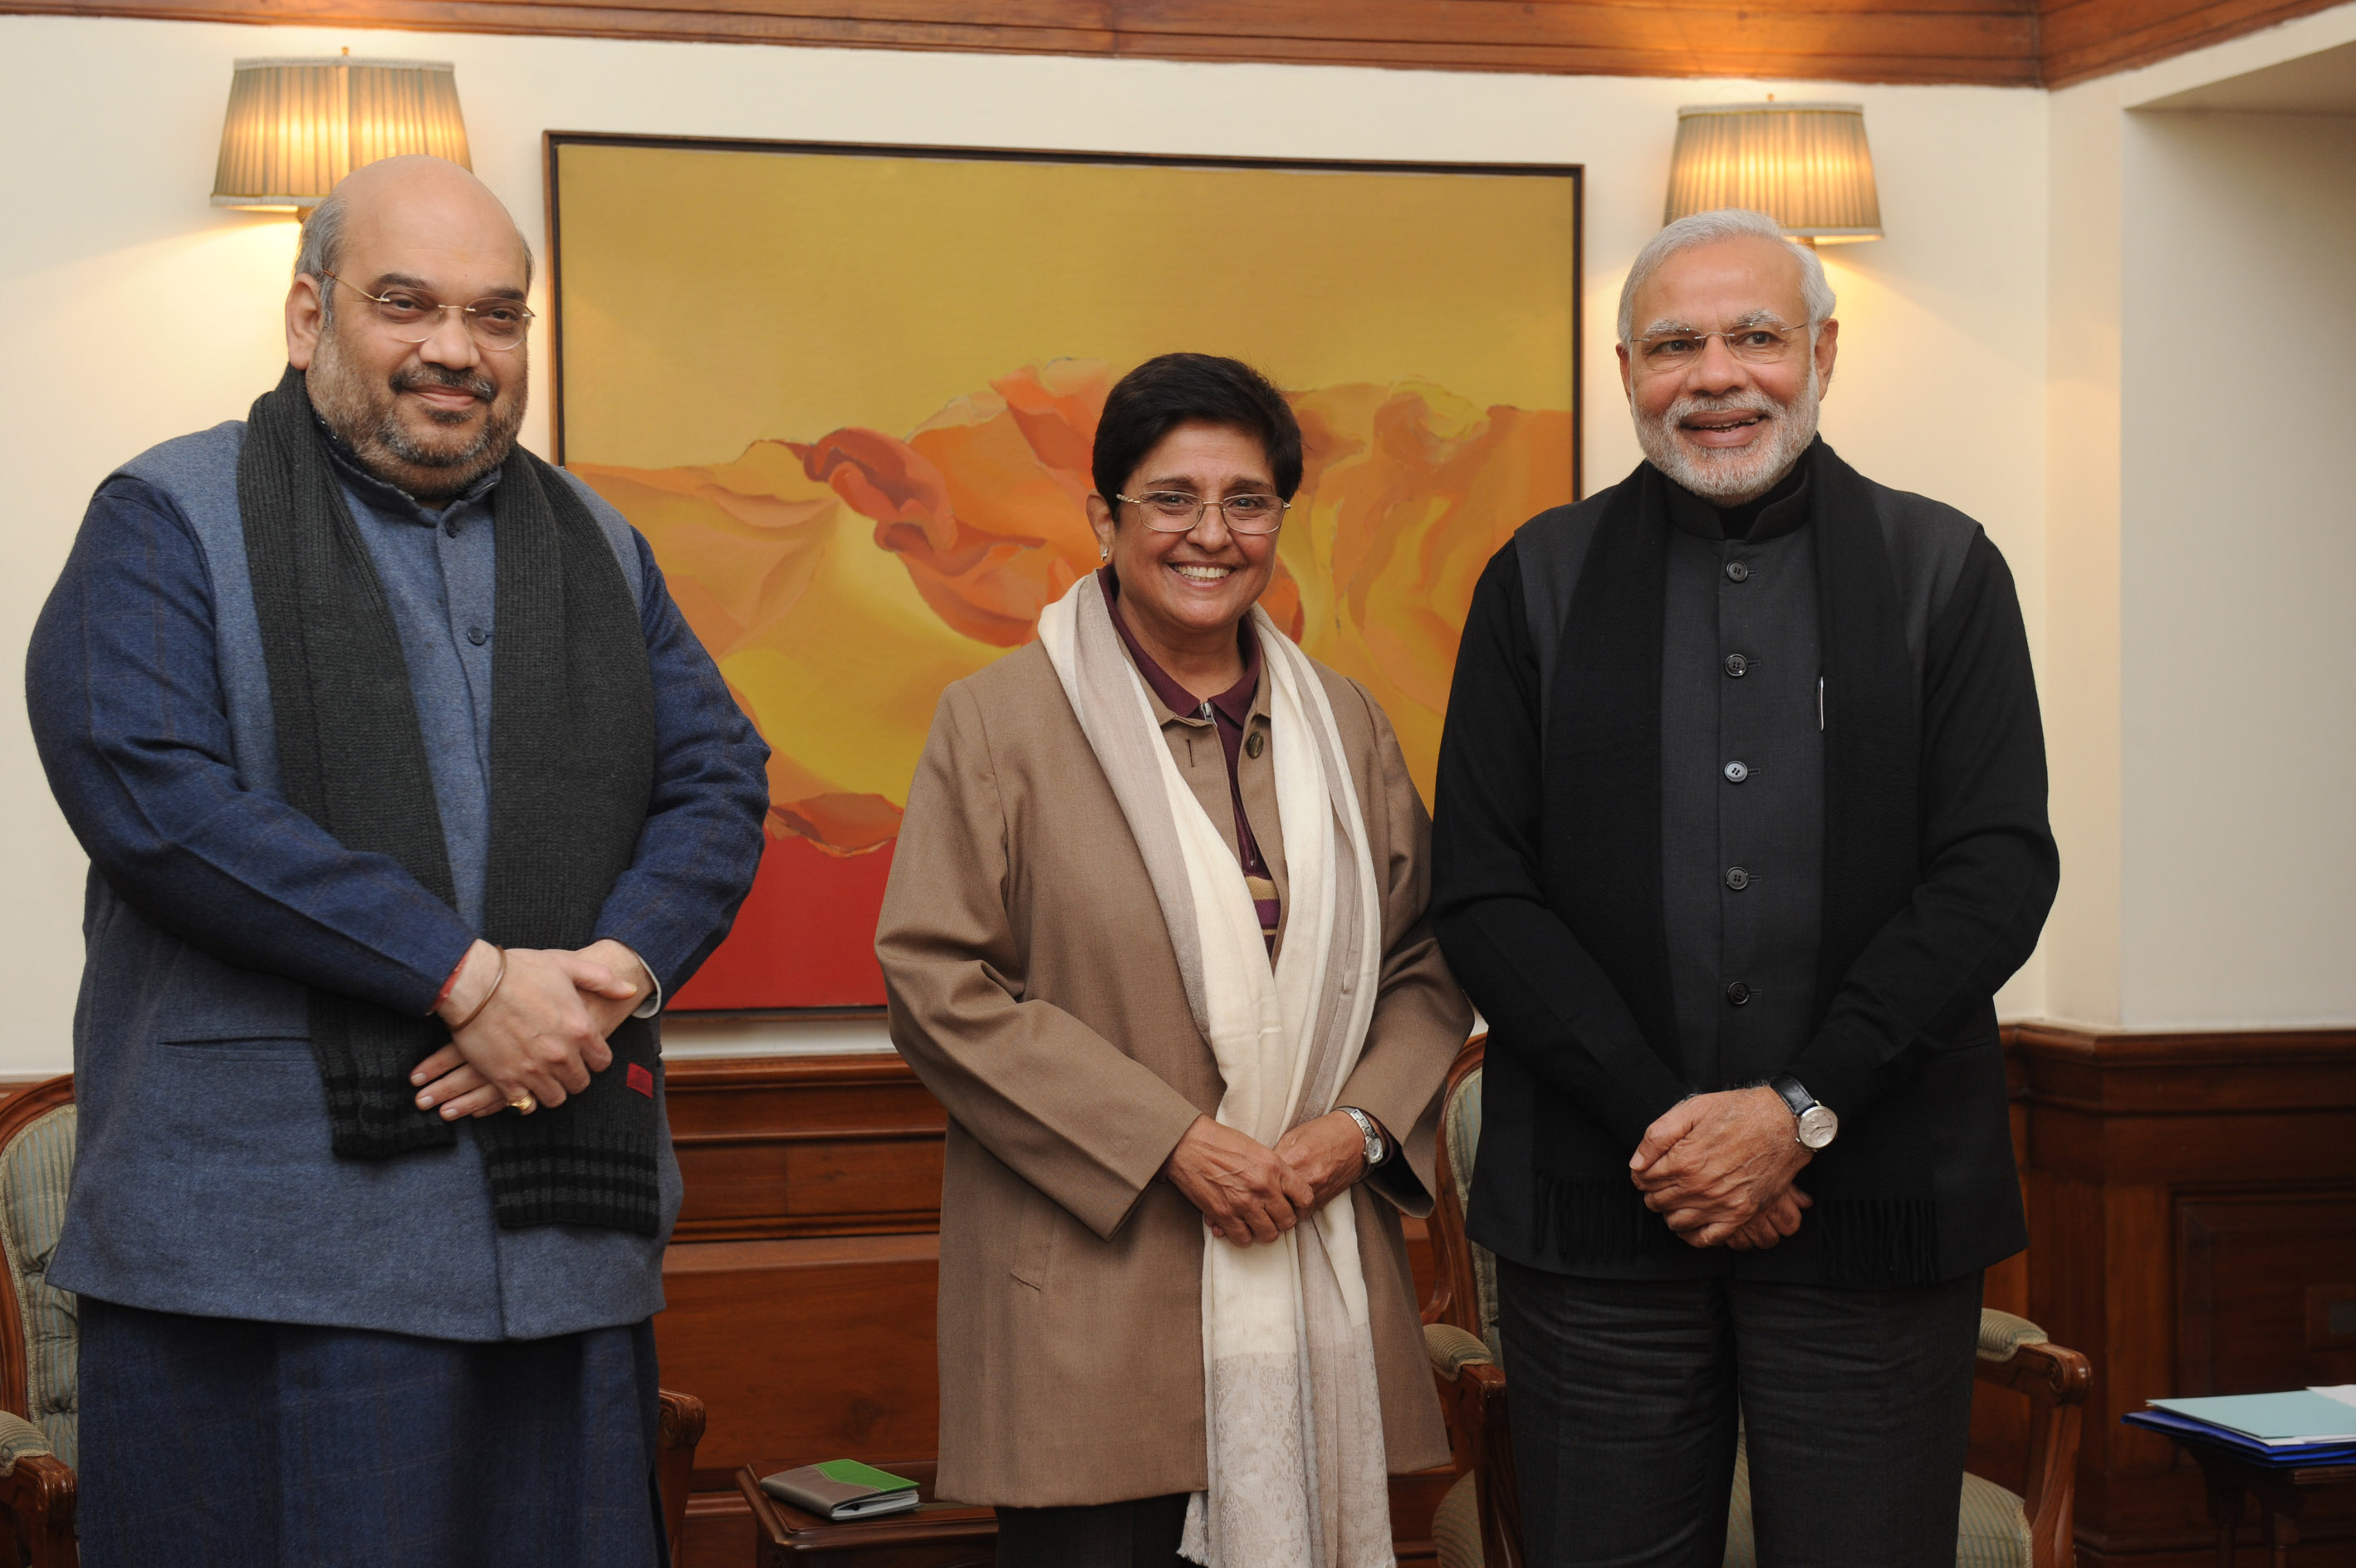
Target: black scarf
[
  {"x": 572, "y": 769},
  {"x": 1602, "y": 850}
]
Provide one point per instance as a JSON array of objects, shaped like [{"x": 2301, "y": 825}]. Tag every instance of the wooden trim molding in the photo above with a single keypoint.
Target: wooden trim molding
[
  {"x": 2192, "y": 1229},
  {"x": 2078, "y": 40},
  {"x": 1980, "y": 41},
  {"x": 2001, "y": 43}
]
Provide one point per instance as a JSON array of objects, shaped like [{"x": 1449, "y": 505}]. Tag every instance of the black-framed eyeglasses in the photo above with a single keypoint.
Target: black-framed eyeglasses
[
  {"x": 1761, "y": 343},
  {"x": 415, "y": 316},
  {"x": 1175, "y": 511}
]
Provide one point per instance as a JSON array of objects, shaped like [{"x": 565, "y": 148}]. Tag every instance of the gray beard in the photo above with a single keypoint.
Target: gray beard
[
  {"x": 1731, "y": 477},
  {"x": 366, "y": 419}
]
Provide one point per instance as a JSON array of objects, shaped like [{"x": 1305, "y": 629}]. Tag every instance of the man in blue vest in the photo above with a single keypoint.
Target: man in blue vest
[{"x": 408, "y": 796}]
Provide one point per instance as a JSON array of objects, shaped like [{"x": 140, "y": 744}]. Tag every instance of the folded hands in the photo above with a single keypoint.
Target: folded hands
[
  {"x": 1719, "y": 1168},
  {"x": 1250, "y": 1193},
  {"x": 535, "y": 1028}
]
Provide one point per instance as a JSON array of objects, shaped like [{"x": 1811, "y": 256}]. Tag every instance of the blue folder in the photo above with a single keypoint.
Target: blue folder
[
  {"x": 2286, "y": 1455},
  {"x": 2297, "y": 1417}
]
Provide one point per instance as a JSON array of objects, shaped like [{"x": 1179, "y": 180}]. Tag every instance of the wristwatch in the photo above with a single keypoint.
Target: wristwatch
[
  {"x": 1377, "y": 1147},
  {"x": 1817, "y": 1124}
]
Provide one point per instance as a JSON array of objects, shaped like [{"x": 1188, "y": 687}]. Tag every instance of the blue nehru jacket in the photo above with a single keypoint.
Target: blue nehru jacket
[{"x": 206, "y": 1182}]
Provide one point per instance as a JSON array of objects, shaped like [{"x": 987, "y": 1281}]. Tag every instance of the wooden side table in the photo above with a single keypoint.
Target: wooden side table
[
  {"x": 930, "y": 1535},
  {"x": 2282, "y": 1492}
]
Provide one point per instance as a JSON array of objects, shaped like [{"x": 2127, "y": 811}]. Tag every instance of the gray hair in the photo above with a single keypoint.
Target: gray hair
[
  {"x": 322, "y": 246},
  {"x": 1708, "y": 228}
]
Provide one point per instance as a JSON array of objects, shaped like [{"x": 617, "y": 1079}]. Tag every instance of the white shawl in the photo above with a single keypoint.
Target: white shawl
[{"x": 1296, "y": 1471}]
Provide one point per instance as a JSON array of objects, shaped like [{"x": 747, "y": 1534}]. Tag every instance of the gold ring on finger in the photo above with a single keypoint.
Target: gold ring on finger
[{"x": 523, "y": 1105}]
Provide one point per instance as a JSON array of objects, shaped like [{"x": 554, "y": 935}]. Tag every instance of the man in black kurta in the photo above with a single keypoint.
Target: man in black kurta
[{"x": 1740, "y": 824}]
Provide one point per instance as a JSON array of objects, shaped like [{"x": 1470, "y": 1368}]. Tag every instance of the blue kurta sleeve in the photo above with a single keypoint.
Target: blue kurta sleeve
[
  {"x": 703, "y": 839},
  {"x": 130, "y": 718}
]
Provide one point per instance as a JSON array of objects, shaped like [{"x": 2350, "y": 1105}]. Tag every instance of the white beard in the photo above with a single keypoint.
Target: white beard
[{"x": 1730, "y": 476}]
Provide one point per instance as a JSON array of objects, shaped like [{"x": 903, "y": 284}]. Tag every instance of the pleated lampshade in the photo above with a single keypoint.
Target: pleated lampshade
[
  {"x": 1804, "y": 164},
  {"x": 296, "y": 126}
]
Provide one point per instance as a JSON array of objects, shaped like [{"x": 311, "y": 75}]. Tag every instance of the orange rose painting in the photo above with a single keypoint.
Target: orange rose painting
[
  {"x": 1407, "y": 492},
  {"x": 742, "y": 366}
]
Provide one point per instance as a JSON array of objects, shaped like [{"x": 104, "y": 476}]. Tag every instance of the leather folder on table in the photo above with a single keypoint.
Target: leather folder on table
[{"x": 843, "y": 1489}]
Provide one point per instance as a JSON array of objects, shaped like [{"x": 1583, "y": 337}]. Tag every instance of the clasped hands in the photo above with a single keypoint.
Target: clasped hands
[
  {"x": 1719, "y": 1167},
  {"x": 1250, "y": 1193},
  {"x": 537, "y": 1030}
]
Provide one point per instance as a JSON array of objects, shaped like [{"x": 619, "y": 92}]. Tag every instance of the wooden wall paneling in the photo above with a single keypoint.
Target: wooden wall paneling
[
  {"x": 2081, "y": 39},
  {"x": 2189, "y": 1196},
  {"x": 2240, "y": 1324},
  {"x": 803, "y": 1281},
  {"x": 821, "y": 1145},
  {"x": 808, "y": 1348}
]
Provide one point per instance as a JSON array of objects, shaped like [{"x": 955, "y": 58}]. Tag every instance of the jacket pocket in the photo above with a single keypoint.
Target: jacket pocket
[
  {"x": 1035, "y": 1240},
  {"x": 218, "y": 1045}
]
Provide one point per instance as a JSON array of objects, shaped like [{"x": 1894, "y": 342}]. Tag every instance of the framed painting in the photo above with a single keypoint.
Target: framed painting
[{"x": 849, "y": 395}]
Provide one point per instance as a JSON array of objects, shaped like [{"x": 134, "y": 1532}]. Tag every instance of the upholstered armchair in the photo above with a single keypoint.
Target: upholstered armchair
[
  {"x": 38, "y": 1325},
  {"x": 1480, "y": 1520}
]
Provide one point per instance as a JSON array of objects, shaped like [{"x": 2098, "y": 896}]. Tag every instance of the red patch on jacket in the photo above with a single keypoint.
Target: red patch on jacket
[{"x": 642, "y": 1080}]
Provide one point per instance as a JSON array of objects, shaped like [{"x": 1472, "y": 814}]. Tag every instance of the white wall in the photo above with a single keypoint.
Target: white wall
[
  {"x": 2238, "y": 645},
  {"x": 141, "y": 314},
  {"x": 2199, "y": 730},
  {"x": 2078, "y": 677}
]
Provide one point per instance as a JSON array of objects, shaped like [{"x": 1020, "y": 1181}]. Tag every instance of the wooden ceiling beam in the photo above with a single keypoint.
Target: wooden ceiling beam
[
  {"x": 2081, "y": 39},
  {"x": 2000, "y": 43}
]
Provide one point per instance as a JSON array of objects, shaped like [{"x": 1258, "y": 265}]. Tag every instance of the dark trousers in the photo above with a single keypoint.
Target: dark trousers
[
  {"x": 1139, "y": 1535},
  {"x": 217, "y": 1443},
  {"x": 1856, "y": 1407}
]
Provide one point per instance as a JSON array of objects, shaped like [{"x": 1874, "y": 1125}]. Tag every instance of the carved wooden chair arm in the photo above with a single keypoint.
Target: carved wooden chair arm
[
  {"x": 37, "y": 1493},
  {"x": 2014, "y": 1354},
  {"x": 682, "y": 1428},
  {"x": 2048, "y": 1374},
  {"x": 1480, "y": 1435}
]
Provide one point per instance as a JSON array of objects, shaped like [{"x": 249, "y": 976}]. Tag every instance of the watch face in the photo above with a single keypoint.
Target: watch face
[{"x": 1817, "y": 1126}]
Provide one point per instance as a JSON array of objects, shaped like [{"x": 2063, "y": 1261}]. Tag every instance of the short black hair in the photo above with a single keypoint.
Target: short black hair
[{"x": 1173, "y": 389}]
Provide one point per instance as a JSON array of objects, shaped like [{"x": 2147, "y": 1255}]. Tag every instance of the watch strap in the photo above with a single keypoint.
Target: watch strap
[
  {"x": 1378, "y": 1144},
  {"x": 1794, "y": 1094}
]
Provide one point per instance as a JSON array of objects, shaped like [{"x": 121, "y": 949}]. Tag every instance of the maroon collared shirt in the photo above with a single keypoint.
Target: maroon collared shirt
[{"x": 1231, "y": 713}]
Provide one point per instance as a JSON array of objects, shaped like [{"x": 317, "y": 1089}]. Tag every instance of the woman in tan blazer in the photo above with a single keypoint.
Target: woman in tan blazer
[{"x": 1155, "y": 935}]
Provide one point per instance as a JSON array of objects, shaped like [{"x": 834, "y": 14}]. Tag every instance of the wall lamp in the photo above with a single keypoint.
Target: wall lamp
[
  {"x": 295, "y": 127},
  {"x": 1804, "y": 164}
]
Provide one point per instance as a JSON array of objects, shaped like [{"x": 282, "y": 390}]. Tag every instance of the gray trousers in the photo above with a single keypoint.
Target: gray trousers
[
  {"x": 1625, "y": 1395},
  {"x": 1138, "y": 1534}
]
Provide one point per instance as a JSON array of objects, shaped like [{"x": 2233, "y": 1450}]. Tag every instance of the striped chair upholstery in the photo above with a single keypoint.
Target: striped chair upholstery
[
  {"x": 1456, "y": 1526},
  {"x": 35, "y": 1170},
  {"x": 1992, "y": 1525}
]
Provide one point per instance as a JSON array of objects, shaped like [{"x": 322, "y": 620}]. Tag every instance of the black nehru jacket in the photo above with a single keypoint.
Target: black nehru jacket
[{"x": 1685, "y": 867}]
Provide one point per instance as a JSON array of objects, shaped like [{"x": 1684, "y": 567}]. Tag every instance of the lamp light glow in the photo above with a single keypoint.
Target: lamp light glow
[
  {"x": 1804, "y": 164},
  {"x": 295, "y": 127}
]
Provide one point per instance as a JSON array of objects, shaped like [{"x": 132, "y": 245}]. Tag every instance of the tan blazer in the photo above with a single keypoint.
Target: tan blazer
[{"x": 1034, "y": 990}]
